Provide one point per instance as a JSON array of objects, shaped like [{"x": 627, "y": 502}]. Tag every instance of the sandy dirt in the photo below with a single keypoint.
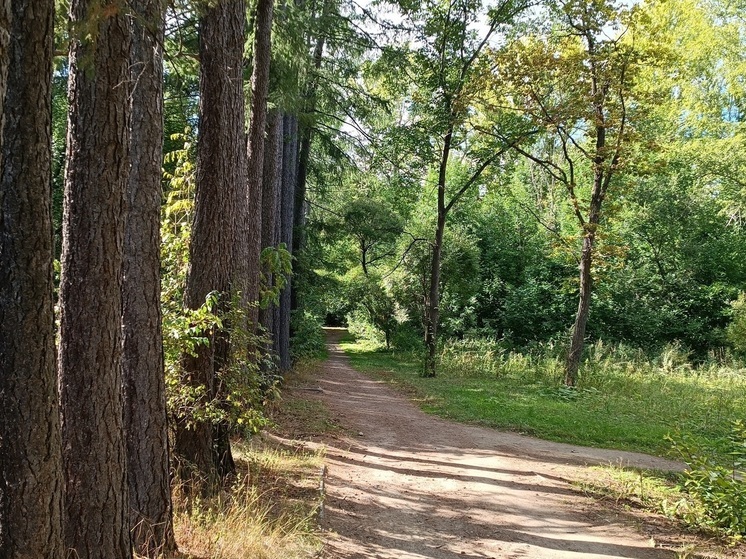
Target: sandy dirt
[{"x": 407, "y": 485}]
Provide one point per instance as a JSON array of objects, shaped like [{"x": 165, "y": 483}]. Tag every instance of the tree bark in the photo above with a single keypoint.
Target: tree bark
[
  {"x": 255, "y": 150},
  {"x": 601, "y": 179},
  {"x": 143, "y": 373},
  {"x": 220, "y": 157},
  {"x": 4, "y": 58},
  {"x": 270, "y": 206},
  {"x": 96, "y": 522},
  {"x": 289, "y": 176},
  {"x": 432, "y": 306},
  {"x": 577, "y": 340},
  {"x": 30, "y": 445}
]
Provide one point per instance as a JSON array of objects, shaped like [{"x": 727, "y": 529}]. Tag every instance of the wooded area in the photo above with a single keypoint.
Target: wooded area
[{"x": 189, "y": 189}]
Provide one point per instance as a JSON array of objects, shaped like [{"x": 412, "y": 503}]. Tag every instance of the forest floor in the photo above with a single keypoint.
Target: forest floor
[{"x": 403, "y": 484}]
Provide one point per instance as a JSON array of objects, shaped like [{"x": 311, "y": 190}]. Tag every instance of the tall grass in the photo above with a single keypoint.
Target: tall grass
[
  {"x": 267, "y": 512},
  {"x": 625, "y": 398}
]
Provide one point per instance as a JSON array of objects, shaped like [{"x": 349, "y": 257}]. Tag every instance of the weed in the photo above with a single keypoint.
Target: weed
[{"x": 715, "y": 477}]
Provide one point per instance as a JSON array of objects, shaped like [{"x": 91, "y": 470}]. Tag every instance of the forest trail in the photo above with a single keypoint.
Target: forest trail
[{"x": 407, "y": 485}]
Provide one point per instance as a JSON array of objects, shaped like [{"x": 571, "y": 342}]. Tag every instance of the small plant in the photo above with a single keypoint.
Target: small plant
[{"x": 720, "y": 487}]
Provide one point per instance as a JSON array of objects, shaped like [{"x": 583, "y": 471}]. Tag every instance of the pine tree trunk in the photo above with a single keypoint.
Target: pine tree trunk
[
  {"x": 142, "y": 357},
  {"x": 220, "y": 157},
  {"x": 4, "y": 58},
  {"x": 96, "y": 522},
  {"x": 30, "y": 445},
  {"x": 289, "y": 176},
  {"x": 270, "y": 205},
  {"x": 255, "y": 150}
]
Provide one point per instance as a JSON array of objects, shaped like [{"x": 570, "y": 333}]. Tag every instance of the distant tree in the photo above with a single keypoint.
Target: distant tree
[
  {"x": 443, "y": 68},
  {"x": 96, "y": 520},
  {"x": 375, "y": 229},
  {"x": 142, "y": 358},
  {"x": 30, "y": 446}
]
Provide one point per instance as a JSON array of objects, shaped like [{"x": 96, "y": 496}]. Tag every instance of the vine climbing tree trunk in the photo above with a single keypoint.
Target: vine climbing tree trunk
[
  {"x": 30, "y": 446},
  {"x": 220, "y": 174}
]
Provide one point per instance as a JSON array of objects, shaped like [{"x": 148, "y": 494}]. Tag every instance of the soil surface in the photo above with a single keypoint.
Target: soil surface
[{"x": 407, "y": 485}]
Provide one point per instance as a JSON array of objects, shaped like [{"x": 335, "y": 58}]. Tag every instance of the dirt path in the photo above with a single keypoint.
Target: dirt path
[{"x": 408, "y": 485}]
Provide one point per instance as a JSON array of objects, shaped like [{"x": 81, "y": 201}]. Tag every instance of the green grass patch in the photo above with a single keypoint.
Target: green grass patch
[
  {"x": 663, "y": 405},
  {"x": 624, "y": 400}
]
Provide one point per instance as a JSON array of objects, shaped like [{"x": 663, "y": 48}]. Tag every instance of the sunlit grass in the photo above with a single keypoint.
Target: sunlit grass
[
  {"x": 268, "y": 511},
  {"x": 624, "y": 399}
]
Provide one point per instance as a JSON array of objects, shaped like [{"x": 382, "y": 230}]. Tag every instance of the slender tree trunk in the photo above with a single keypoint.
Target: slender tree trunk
[
  {"x": 581, "y": 316},
  {"x": 306, "y": 133},
  {"x": 600, "y": 182},
  {"x": 255, "y": 150},
  {"x": 289, "y": 176},
  {"x": 142, "y": 357},
  {"x": 270, "y": 205},
  {"x": 96, "y": 522},
  {"x": 306, "y": 136},
  {"x": 30, "y": 445},
  {"x": 432, "y": 305},
  {"x": 220, "y": 150}
]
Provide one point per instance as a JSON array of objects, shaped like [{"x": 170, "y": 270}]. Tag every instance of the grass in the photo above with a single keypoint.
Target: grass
[
  {"x": 623, "y": 400},
  {"x": 269, "y": 509},
  {"x": 267, "y": 512}
]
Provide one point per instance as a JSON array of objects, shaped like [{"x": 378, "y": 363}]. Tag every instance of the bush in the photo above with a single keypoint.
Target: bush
[
  {"x": 720, "y": 488},
  {"x": 308, "y": 338},
  {"x": 360, "y": 326},
  {"x": 737, "y": 329}
]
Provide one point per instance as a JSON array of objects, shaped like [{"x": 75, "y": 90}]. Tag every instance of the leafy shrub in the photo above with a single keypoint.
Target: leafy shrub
[
  {"x": 737, "y": 328},
  {"x": 308, "y": 336},
  {"x": 360, "y": 326},
  {"x": 720, "y": 488},
  {"x": 407, "y": 338}
]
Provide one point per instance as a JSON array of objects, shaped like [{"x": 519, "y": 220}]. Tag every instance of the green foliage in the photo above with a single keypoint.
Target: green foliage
[
  {"x": 237, "y": 397},
  {"x": 277, "y": 269},
  {"x": 719, "y": 487},
  {"x": 373, "y": 304},
  {"x": 737, "y": 328},
  {"x": 307, "y": 336}
]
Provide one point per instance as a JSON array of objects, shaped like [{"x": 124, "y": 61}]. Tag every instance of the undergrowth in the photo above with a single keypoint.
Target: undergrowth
[{"x": 268, "y": 511}]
